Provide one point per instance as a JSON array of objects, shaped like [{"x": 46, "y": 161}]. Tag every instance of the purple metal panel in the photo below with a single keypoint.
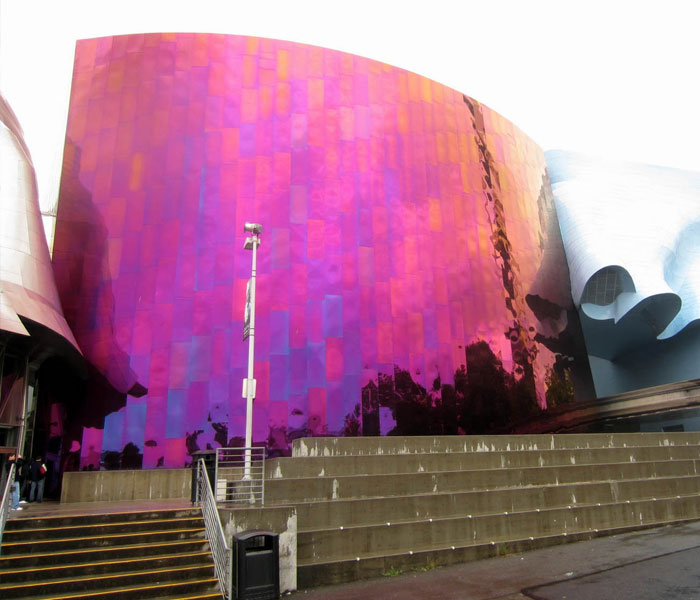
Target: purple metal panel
[{"x": 408, "y": 232}]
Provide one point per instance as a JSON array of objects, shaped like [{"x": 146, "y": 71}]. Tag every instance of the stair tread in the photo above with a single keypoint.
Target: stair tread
[
  {"x": 198, "y": 522},
  {"x": 102, "y": 576},
  {"x": 104, "y": 515},
  {"x": 102, "y": 549},
  {"x": 97, "y": 537},
  {"x": 120, "y": 590},
  {"x": 106, "y": 562}
]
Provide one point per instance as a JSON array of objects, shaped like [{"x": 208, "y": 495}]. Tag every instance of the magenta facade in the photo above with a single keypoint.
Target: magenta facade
[{"x": 411, "y": 273}]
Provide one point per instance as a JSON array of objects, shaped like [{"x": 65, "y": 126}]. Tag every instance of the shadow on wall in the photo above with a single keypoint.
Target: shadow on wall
[{"x": 82, "y": 270}]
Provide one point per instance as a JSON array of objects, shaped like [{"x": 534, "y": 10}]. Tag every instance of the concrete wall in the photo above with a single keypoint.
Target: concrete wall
[
  {"x": 281, "y": 520},
  {"x": 113, "y": 486}
]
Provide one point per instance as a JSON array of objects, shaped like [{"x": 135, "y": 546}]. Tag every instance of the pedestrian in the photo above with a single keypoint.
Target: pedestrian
[
  {"x": 22, "y": 478},
  {"x": 14, "y": 487},
  {"x": 37, "y": 473}
]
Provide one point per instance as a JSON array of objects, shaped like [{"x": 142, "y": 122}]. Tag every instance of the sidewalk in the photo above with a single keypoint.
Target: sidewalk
[{"x": 658, "y": 564}]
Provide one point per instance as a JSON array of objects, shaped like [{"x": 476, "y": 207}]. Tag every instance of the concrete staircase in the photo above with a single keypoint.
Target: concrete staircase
[
  {"x": 136, "y": 555},
  {"x": 372, "y": 506}
]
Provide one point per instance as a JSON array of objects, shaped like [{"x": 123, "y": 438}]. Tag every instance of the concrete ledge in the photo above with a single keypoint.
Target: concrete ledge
[
  {"x": 484, "y": 443},
  {"x": 418, "y": 536},
  {"x": 281, "y": 491},
  {"x": 377, "y": 506},
  {"x": 362, "y": 512},
  {"x": 340, "y": 571},
  {"x": 115, "y": 486},
  {"x": 279, "y": 519},
  {"x": 379, "y": 464}
]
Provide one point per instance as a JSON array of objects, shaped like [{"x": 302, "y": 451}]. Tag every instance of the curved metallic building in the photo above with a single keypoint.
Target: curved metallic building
[
  {"x": 27, "y": 286},
  {"x": 32, "y": 325},
  {"x": 411, "y": 277},
  {"x": 632, "y": 238}
]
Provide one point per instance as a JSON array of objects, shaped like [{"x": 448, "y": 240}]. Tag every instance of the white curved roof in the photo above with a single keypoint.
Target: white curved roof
[{"x": 642, "y": 224}]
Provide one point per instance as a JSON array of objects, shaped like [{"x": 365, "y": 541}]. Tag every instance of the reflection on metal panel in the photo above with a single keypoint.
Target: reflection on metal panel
[{"x": 27, "y": 287}]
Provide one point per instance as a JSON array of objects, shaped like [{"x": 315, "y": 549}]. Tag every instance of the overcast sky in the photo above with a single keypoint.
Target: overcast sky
[{"x": 614, "y": 79}]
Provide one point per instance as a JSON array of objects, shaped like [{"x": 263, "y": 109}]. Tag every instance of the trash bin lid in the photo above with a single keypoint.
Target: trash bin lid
[{"x": 246, "y": 535}]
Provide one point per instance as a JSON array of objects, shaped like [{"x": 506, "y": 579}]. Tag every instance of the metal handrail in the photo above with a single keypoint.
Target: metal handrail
[
  {"x": 5, "y": 506},
  {"x": 214, "y": 530},
  {"x": 240, "y": 475}
]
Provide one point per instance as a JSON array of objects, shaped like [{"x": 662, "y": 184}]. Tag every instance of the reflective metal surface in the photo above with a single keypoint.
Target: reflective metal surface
[
  {"x": 412, "y": 278},
  {"x": 632, "y": 238},
  {"x": 27, "y": 287}
]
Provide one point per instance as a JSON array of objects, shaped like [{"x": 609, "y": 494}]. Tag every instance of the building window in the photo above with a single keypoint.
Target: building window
[{"x": 603, "y": 287}]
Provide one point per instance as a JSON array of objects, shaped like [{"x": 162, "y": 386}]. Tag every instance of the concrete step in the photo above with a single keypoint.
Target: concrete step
[
  {"x": 104, "y": 530},
  {"x": 292, "y": 491},
  {"x": 368, "y": 511},
  {"x": 351, "y": 543},
  {"x": 390, "y": 445},
  {"x": 374, "y": 566},
  {"x": 160, "y": 555},
  {"x": 368, "y": 506},
  {"x": 94, "y": 584},
  {"x": 102, "y": 518},
  {"x": 62, "y": 544},
  {"x": 178, "y": 590},
  {"x": 106, "y": 567},
  {"x": 380, "y": 464},
  {"x": 81, "y": 555}
]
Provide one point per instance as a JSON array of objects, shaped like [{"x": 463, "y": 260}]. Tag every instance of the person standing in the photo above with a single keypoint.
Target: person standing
[
  {"x": 14, "y": 487},
  {"x": 22, "y": 478},
  {"x": 37, "y": 473}
]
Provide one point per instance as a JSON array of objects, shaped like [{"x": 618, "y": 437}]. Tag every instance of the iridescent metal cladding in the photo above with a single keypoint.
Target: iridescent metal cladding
[
  {"x": 27, "y": 286},
  {"x": 412, "y": 278}
]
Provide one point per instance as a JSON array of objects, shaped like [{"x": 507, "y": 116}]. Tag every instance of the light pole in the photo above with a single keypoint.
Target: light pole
[{"x": 251, "y": 243}]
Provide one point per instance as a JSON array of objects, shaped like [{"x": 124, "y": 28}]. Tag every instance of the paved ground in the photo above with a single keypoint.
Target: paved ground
[{"x": 658, "y": 564}]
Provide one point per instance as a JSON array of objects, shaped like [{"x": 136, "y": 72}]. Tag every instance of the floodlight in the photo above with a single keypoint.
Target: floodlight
[{"x": 254, "y": 228}]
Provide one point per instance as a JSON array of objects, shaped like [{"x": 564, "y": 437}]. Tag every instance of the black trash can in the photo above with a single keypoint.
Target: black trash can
[
  {"x": 209, "y": 457},
  {"x": 256, "y": 566}
]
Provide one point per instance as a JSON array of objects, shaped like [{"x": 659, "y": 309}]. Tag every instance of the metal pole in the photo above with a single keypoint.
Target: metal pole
[{"x": 250, "y": 388}]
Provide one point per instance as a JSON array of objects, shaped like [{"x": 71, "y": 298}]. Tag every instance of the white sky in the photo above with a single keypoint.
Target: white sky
[{"x": 615, "y": 79}]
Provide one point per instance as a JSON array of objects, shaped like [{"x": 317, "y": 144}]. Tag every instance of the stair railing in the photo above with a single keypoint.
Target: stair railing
[
  {"x": 240, "y": 475},
  {"x": 214, "y": 531},
  {"x": 5, "y": 506}
]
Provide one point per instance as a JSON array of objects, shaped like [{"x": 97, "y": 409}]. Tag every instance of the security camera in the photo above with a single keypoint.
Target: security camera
[{"x": 254, "y": 228}]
